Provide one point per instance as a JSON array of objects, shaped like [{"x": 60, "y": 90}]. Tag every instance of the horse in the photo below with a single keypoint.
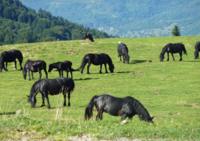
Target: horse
[
  {"x": 126, "y": 107},
  {"x": 97, "y": 59},
  {"x": 34, "y": 66},
  {"x": 196, "y": 51},
  {"x": 89, "y": 36},
  {"x": 173, "y": 48},
  {"x": 10, "y": 56},
  {"x": 51, "y": 87},
  {"x": 122, "y": 50},
  {"x": 62, "y": 66}
]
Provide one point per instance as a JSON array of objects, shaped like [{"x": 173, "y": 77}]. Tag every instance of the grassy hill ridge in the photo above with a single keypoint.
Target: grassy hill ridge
[{"x": 169, "y": 90}]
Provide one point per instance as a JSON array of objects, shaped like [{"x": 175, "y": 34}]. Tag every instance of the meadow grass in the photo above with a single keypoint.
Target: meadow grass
[{"x": 169, "y": 90}]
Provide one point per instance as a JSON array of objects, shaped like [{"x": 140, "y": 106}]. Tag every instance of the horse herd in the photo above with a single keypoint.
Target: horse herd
[{"x": 125, "y": 107}]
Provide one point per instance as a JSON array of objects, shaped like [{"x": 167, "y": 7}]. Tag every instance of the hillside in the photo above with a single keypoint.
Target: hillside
[
  {"x": 128, "y": 17},
  {"x": 169, "y": 91},
  {"x": 19, "y": 23}
]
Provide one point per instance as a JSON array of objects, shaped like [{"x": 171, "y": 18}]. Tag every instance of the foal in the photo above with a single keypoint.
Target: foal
[{"x": 62, "y": 66}]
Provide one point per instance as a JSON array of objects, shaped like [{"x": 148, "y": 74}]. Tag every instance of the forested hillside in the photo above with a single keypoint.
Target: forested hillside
[
  {"x": 128, "y": 18},
  {"x": 19, "y": 23}
]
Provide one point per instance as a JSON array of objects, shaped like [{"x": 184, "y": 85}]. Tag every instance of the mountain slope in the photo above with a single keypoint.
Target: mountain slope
[
  {"x": 19, "y": 23},
  {"x": 128, "y": 17}
]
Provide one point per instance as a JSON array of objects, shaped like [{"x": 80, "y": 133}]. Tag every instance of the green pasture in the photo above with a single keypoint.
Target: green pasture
[{"x": 169, "y": 90}]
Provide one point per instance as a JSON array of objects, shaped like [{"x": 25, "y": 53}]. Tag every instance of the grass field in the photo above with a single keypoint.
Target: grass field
[{"x": 169, "y": 90}]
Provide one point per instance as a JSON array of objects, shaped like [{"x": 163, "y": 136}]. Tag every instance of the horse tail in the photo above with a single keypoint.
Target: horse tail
[
  {"x": 89, "y": 108},
  {"x": 141, "y": 111},
  {"x": 184, "y": 50}
]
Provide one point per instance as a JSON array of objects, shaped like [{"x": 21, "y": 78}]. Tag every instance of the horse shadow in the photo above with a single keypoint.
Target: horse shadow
[
  {"x": 123, "y": 72},
  {"x": 83, "y": 79},
  {"x": 195, "y": 61},
  {"x": 140, "y": 61},
  {"x": 7, "y": 113}
]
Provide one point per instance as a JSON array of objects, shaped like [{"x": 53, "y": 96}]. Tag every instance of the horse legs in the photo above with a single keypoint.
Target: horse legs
[
  {"x": 167, "y": 56},
  {"x": 64, "y": 95},
  {"x": 43, "y": 100},
  {"x": 180, "y": 56},
  {"x": 99, "y": 115},
  {"x": 69, "y": 99},
  {"x": 173, "y": 56},
  {"x": 15, "y": 65},
  {"x": 67, "y": 73},
  {"x": 45, "y": 73},
  {"x": 31, "y": 74},
  {"x": 105, "y": 68},
  {"x": 40, "y": 73},
  {"x": 46, "y": 95},
  {"x": 88, "y": 68},
  {"x": 71, "y": 74},
  {"x": 120, "y": 57},
  {"x": 29, "y": 77},
  {"x": 123, "y": 58},
  {"x": 100, "y": 69}
]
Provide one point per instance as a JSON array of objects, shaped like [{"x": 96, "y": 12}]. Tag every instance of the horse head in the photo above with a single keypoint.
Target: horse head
[
  {"x": 111, "y": 67},
  {"x": 32, "y": 100},
  {"x": 127, "y": 58}
]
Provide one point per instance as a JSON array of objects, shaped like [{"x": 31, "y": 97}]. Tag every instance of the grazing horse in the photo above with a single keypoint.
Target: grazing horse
[
  {"x": 51, "y": 87},
  {"x": 126, "y": 107},
  {"x": 89, "y": 36},
  {"x": 122, "y": 50},
  {"x": 10, "y": 56},
  {"x": 34, "y": 66},
  {"x": 97, "y": 59},
  {"x": 62, "y": 66},
  {"x": 172, "y": 48},
  {"x": 196, "y": 51}
]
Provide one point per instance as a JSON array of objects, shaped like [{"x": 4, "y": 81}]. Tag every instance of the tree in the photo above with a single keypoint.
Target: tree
[{"x": 176, "y": 31}]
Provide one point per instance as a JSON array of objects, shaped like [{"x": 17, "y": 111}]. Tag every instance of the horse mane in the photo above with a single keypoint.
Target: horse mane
[{"x": 89, "y": 108}]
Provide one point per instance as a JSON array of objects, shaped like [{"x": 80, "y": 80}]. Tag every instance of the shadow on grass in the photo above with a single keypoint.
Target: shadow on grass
[
  {"x": 140, "y": 61},
  {"x": 123, "y": 72},
  {"x": 82, "y": 79},
  {"x": 7, "y": 113},
  {"x": 195, "y": 61}
]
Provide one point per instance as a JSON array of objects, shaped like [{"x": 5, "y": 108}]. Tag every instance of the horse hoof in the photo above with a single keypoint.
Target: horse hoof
[{"x": 42, "y": 105}]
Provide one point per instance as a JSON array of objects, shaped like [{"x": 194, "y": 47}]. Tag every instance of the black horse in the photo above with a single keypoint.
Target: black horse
[
  {"x": 126, "y": 107},
  {"x": 52, "y": 87},
  {"x": 10, "y": 56},
  {"x": 122, "y": 50},
  {"x": 196, "y": 51},
  {"x": 172, "y": 48},
  {"x": 97, "y": 59},
  {"x": 89, "y": 36},
  {"x": 34, "y": 66},
  {"x": 61, "y": 67}
]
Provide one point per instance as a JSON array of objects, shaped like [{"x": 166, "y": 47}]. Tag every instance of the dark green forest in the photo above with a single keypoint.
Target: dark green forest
[{"x": 20, "y": 24}]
